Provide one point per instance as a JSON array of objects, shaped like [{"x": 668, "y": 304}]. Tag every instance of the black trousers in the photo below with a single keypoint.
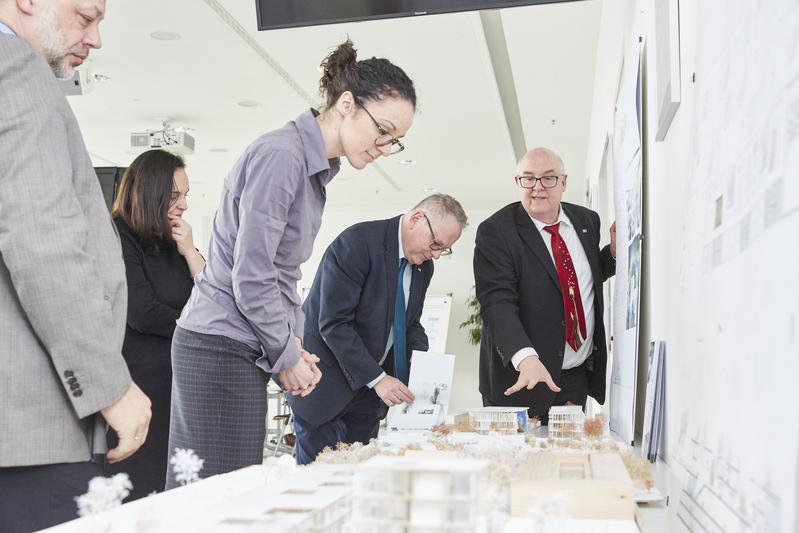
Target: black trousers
[
  {"x": 573, "y": 385},
  {"x": 38, "y": 497},
  {"x": 147, "y": 468},
  {"x": 358, "y": 422}
]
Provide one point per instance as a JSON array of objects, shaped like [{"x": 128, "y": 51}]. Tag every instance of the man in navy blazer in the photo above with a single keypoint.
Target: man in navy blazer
[{"x": 350, "y": 321}]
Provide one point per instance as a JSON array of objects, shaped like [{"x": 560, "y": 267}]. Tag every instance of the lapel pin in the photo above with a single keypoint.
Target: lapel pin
[{"x": 585, "y": 230}]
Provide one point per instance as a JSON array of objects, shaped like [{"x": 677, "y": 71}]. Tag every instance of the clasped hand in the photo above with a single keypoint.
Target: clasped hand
[{"x": 301, "y": 379}]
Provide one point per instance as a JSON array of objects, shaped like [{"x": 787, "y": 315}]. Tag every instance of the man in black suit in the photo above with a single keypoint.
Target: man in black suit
[
  {"x": 363, "y": 324},
  {"x": 538, "y": 273}
]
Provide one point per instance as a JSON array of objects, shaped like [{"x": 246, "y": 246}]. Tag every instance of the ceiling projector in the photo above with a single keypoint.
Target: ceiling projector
[{"x": 175, "y": 140}]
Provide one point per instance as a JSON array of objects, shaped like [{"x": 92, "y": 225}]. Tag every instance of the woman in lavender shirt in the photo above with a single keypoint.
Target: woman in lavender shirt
[{"x": 243, "y": 322}]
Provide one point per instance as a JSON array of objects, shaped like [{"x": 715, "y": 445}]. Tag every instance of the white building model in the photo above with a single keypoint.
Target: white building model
[
  {"x": 485, "y": 420},
  {"x": 566, "y": 422},
  {"x": 415, "y": 494}
]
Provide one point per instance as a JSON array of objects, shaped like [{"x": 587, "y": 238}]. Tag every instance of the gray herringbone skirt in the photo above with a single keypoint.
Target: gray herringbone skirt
[{"x": 218, "y": 402}]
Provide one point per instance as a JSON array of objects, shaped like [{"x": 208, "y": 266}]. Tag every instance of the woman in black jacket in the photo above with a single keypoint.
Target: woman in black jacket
[{"x": 160, "y": 262}]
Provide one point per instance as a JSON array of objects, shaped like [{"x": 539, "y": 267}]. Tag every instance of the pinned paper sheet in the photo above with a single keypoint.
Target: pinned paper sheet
[{"x": 431, "y": 384}]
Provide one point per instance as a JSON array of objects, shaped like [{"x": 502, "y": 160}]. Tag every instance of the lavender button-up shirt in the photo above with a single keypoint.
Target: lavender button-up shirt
[{"x": 268, "y": 217}]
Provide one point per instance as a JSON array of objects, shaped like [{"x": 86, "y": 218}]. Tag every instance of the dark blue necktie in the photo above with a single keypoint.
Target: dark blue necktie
[{"x": 400, "y": 354}]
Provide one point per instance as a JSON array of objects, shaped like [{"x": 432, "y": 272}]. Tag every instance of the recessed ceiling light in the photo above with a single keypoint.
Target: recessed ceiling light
[
  {"x": 218, "y": 150},
  {"x": 248, "y": 103},
  {"x": 429, "y": 189},
  {"x": 161, "y": 35},
  {"x": 407, "y": 161}
]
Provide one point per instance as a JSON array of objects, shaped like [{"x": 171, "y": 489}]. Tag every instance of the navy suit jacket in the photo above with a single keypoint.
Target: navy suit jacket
[
  {"x": 521, "y": 303},
  {"x": 349, "y": 313}
]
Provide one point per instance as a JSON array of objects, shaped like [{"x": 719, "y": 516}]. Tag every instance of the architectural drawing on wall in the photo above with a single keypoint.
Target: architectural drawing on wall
[
  {"x": 655, "y": 404},
  {"x": 737, "y": 346},
  {"x": 626, "y": 177},
  {"x": 633, "y": 282},
  {"x": 632, "y": 203},
  {"x": 717, "y": 497},
  {"x": 435, "y": 321},
  {"x": 667, "y": 50}
]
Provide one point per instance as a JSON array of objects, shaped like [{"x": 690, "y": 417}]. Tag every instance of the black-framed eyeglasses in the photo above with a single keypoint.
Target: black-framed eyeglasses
[
  {"x": 435, "y": 245},
  {"x": 547, "y": 182},
  {"x": 385, "y": 138}
]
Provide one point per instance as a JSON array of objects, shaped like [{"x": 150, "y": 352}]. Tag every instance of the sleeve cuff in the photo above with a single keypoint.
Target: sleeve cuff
[
  {"x": 522, "y": 354},
  {"x": 287, "y": 359},
  {"x": 375, "y": 381}
]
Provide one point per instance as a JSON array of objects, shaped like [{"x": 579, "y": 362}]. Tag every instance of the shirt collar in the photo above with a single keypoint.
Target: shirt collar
[
  {"x": 399, "y": 238},
  {"x": 5, "y": 29},
  {"x": 315, "y": 153},
  {"x": 562, "y": 219}
]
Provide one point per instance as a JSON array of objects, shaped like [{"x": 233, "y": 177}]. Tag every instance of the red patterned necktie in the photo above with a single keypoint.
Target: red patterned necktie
[{"x": 570, "y": 290}]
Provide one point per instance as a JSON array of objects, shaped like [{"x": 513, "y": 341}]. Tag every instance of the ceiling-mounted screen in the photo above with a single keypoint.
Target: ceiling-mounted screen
[{"x": 273, "y": 14}]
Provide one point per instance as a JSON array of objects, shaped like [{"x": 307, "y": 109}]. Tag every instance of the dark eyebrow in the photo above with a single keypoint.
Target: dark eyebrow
[{"x": 391, "y": 125}]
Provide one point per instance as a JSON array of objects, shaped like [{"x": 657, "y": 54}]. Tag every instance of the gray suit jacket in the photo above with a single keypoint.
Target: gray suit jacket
[{"x": 63, "y": 297}]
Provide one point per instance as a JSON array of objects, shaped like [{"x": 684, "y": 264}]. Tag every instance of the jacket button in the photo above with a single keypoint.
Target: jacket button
[
  {"x": 72, "y": 381},
  {"x": 563, "y": 323},
  {"x": 106, "y": 298},
  {"x": 77, "y": 393},
  {"x": 68, "y": 374}
]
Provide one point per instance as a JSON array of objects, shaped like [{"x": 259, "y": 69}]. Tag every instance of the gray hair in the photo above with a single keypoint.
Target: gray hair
[
  {"x": 545, "y": 151},
  {"x": 439, "y": 206}
]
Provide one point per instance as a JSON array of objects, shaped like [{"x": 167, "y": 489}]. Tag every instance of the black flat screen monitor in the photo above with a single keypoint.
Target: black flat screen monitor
[
  {"x": 274, "y": 14},
  {"x": 109, "y": 181}
]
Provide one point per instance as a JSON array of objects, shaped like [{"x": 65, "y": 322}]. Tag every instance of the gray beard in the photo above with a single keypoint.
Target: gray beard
[
  {"x": 52, "y": 42},
  {"x": 60, "y": 67}
]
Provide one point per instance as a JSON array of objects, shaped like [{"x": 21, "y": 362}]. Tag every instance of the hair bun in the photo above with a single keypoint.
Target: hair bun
[
  {"x": 336, "y": 64},
  {"x": 368, "y": 79}
]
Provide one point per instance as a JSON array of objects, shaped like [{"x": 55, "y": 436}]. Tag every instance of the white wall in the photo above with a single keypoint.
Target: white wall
[
  {"x": 623, "y": 21},
  {"x": 730, "y": 334}
]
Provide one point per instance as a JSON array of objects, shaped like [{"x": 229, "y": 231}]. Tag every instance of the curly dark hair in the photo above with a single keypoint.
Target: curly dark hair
[{"x": 367, "y": 79}]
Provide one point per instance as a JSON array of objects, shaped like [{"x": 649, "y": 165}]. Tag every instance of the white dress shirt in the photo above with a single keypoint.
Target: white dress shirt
[
  {"x": 585, "y": 281},
  {"x": 5, "y": 29},
  {"x": 406, "y": 287}
]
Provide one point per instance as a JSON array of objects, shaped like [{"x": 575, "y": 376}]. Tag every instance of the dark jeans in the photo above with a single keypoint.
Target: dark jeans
[
  {"x": 38, "y": 497},
  {"x": 358, "y": 422}
]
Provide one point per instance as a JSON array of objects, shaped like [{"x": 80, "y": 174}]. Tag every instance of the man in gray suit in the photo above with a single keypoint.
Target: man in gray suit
[{"x": 63, "y": 298}]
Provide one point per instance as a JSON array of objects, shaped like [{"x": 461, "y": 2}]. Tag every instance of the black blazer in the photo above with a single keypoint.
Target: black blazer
[
  {"x": 349, "y": 313},
  {"x": 521, "y": 305}
]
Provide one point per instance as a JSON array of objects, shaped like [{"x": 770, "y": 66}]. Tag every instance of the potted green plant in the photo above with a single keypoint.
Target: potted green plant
[{"x": 473, "y": 322}]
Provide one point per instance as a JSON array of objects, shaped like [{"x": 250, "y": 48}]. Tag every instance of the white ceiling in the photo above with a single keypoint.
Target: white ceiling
[{"x": 460, "y": 139}]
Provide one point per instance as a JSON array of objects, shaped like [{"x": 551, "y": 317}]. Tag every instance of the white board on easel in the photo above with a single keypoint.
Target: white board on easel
[{"x": 435, "y": 321}]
